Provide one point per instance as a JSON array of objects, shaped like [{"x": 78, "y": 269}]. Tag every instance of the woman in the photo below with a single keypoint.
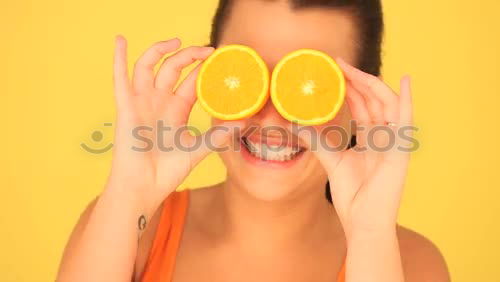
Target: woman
[{"x": 270, "y": 220}]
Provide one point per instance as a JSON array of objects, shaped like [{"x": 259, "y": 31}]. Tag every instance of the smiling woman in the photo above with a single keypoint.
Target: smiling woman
[
  {"x": 264, "y": 221},
  {"x": 269, "y": 217}
]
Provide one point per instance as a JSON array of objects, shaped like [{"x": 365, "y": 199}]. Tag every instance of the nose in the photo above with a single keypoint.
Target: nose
[{"x": 269, "y": 116}]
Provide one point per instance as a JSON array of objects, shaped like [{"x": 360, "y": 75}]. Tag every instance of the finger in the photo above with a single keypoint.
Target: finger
[
  {"x": 319, "y": 142},
  {"x": 359, "y": 112},
  {"x": 187, "y": 88},
  {"x": 374, "y": 107},
  {"x": 399, "y": 154},
  {"x": 171, "y": 68},
  {"x": 216, "y": 139},
  {"x": 374, "y": 90},
  {"x": 144, "y": 67},
  {"x": 180, "y": 105},
  {"x": 120, "y": 72},
  {"x": 357, "y": 106},
  {"x": 406, "y": 104},
  {"x": 366, "y": 134}
]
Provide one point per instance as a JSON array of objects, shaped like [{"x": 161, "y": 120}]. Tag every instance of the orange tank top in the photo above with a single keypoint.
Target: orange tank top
[{"x": 161, "y": 260}]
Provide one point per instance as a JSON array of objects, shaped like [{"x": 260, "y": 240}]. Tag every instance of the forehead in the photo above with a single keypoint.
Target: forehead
[{"x": 274, "y": 28}]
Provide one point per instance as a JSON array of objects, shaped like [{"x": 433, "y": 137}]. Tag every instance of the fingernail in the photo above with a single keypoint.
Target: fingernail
[
  {"x": 175, "y": 39},
  {"x": 120, "y": 40},
  {"x": 208, "y": 49}
]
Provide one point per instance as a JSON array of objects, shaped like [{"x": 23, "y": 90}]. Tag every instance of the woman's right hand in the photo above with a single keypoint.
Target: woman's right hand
[{"x": 155, "y": 168}]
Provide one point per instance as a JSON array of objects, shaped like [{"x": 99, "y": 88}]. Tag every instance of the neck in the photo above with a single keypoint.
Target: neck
[{"x": 255, "y": 224}]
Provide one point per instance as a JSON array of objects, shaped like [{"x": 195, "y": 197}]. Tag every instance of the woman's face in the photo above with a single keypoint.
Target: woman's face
[{"x": 273, "y": 29}]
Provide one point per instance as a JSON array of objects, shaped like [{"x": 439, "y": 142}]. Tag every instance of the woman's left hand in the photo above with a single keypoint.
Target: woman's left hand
[{"x": 366, "y": 183}]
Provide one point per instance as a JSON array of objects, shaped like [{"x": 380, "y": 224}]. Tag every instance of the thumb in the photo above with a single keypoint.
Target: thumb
[
  {"x": 320, "y": 144},
  {"x": 217, "y": 139}
]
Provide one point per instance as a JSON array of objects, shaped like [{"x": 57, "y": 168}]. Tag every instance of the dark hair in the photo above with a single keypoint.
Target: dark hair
[{"x": 367, "y": 14}]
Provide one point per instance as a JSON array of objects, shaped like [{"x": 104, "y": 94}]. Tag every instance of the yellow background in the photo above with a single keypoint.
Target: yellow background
[{"x": 55, "y": 87}]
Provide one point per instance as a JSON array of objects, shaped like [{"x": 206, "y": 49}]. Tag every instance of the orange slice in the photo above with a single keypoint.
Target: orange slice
[
  {"x": 233, "y": 83},
  {"x": 307, "y": 87}
]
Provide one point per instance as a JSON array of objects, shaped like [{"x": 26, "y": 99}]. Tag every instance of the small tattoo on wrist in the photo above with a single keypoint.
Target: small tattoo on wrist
[{"x": 141, "y": 223}]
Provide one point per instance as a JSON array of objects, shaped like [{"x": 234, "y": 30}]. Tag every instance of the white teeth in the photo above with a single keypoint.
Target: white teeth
[{"x": 271, "y": 152}]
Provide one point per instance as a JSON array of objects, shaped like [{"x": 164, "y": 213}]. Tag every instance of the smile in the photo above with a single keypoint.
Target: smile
[{"x": 271, "y": 152}]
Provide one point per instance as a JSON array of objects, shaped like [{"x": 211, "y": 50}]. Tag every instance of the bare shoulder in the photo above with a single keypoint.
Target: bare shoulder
[{"x": 422, "y": 260}]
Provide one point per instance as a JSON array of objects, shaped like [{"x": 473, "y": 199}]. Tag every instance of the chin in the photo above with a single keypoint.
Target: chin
[
  {"x": 265, "y": 188},
  {"x": 272, "y": 175}
]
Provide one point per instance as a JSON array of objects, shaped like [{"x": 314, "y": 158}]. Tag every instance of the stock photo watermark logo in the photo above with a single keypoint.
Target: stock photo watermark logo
[
  {"x": 393, "y": 138},
  {"x": 98, "y": 144}
]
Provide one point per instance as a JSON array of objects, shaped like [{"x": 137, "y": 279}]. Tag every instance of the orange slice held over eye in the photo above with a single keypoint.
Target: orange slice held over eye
[
  {"x": 307, "y": 87},
  {"x": 233, "y": 83}
]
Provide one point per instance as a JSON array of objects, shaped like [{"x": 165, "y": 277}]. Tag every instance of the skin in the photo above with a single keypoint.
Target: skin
[{"x": 261, "y": 224}]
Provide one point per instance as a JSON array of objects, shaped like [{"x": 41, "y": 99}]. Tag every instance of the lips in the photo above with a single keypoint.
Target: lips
[{"x": 271, "y": 149}]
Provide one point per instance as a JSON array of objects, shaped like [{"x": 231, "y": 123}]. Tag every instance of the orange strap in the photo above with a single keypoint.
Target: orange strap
[
  {"x": 161, "y": 261},
  {"x": 341, "y": 277}
]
